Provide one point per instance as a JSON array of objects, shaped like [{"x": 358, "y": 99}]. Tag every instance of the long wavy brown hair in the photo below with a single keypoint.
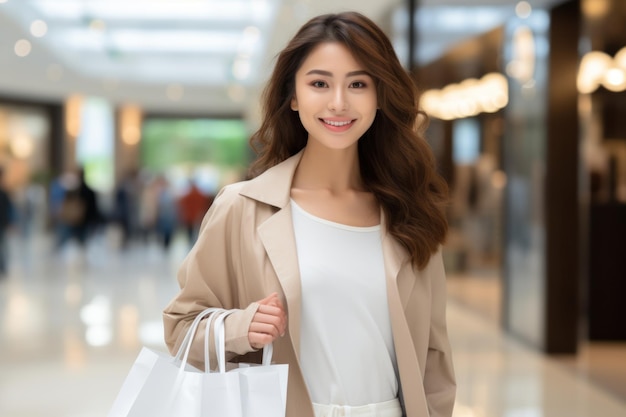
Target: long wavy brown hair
[{"x": 396, "y": 163}]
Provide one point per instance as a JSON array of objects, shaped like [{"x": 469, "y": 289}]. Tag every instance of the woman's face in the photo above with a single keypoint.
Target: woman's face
[{"x": 335, "y": 97}]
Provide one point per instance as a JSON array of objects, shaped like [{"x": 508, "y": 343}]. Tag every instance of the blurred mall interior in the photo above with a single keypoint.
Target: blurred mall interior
[{"x": 150, "y": 103}]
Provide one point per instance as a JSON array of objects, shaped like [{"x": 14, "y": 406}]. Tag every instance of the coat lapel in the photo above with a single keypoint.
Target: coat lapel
[
  {"x": 398, "y": 291},
  {"x": 277, "y": 236},
  {"x": 395, "y": 256},
  {"x": 273, "y": 187}
]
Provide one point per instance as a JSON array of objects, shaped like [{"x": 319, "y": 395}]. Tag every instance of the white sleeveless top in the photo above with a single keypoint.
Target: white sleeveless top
[{"x": 346, "y": 347}]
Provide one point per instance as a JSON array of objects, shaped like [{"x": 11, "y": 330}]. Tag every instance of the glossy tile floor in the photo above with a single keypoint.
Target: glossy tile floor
[{"x": 72, "y": 323}]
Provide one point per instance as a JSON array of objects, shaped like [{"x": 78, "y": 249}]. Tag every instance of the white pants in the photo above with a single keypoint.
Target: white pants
[{"x": 385, "y": 409}]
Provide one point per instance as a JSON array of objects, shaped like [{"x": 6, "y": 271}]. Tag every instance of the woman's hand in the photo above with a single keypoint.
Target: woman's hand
[{"x": 269, "y": 322}]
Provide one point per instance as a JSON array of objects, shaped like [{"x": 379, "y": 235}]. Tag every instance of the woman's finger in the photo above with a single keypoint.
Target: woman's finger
[
  {"x": 268, "y": 323},
  {"x": 265, "y": 328},
  {"x": 258, "y": 340},
  {"x": 279, "y": 322}
]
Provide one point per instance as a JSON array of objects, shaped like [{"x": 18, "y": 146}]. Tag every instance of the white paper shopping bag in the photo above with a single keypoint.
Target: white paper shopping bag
[
  {"x": 170, "y": 392},
  {"x": 263, "y": 388},
  {"x": 159, "y": 385},
  {"x": 135, "y": 379}
]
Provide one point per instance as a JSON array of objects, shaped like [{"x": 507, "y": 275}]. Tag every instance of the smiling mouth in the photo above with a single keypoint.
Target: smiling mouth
[{"x": 337, "y": 123}]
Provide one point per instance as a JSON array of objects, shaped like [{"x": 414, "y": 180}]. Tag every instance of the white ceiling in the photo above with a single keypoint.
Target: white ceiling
[{"x": 203, "y": 56}]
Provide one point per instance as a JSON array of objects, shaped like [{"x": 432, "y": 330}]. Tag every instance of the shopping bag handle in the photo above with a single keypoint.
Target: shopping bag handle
[
  {"x": 220, "y": 343},
  {"x": 268, "y": 350},
  {"x": 185, "y": 346}
]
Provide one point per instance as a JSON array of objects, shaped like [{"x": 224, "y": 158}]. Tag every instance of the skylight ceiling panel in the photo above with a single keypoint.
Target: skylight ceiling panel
[
  {"x": 136, "y": 41},
  {"x": 253, "y": 11},
  {"x": 207, "y": 71}
]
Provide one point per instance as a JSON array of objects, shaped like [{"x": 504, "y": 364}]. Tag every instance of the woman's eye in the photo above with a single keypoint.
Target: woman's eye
[
  {"x": 358, "y": 84},
  {"x": 318, "y": 84}
]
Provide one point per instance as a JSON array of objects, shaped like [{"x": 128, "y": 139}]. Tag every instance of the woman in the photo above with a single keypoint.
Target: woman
[{"x": 332, "y": 251}]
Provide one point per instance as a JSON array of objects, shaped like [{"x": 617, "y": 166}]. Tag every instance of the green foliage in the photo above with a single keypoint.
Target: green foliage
[{"x": 168, "y": 142}]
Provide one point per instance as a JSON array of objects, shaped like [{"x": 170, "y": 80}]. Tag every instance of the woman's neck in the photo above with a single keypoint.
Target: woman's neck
[{"x": 336, "y": 171}]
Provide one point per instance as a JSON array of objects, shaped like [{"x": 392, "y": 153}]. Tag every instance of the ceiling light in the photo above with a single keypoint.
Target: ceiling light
[
  {"x": 175, "y": 40},
  {"x": 593, "y": 66},
  {"x": 615, "y": 79},
  {"x": 242, "y": 69},
  {"x": 597, "y": 68},
  {"x": 469, "y": 98},
  {"x": 459, "y": 19},
  {"x": 595, "y": 8},
  {"x": 73, "y": 109},
  {"x": 130, "y": 124},
  {"x": 38, "y": 28},
  {"x": 522, "y": 67},
  {"x": 205, "y": 11},
  {"x": 22, "y": 146},
  {"x": 22, "y": 48},
  {"x": 523, "y": 9},
  {"x": 248, "y": 44},
  {"x": 149, "y": 41}
]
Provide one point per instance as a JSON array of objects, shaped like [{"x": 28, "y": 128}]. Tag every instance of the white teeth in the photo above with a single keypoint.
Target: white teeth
[{"x": 333, "y": 123}]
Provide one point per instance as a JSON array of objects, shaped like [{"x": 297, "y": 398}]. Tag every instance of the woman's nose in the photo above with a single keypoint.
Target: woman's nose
[{"x": 338, "y": 102}]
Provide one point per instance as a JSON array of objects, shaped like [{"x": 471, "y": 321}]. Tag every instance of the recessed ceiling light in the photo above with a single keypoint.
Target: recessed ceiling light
[
  {"x": 242, "y": 69},
  {"x": 38, "y": 28},
  {"x": 22, "y": 48},
  {"x": 523, "y": 9}
]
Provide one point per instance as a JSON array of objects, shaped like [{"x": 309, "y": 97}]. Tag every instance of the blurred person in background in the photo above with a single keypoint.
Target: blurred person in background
[
  {"x": 94, "y": 219},
  {"x": 340, "y": 228},
  {"x": 166, "y": 212},
  {"x": 126, "y": 206},
  {"x": 27, "y": 201},
  {"x": 192, "y": 205},
  {"x": 147, "y": 210},
  {"x": 7, "y": 218},
  {"x": 79, "y": 214},
  {"x": 56, "y": 203}
]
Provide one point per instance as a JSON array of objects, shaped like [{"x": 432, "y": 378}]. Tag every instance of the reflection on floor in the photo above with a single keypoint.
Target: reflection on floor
[
  {"x": 73, "y": 322},
  {"x": 601, "y": 363},
  {"x": 479, "y": 291}
]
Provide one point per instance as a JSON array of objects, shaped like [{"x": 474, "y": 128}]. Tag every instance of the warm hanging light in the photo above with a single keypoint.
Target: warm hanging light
[
  {"x": 73, "y": 108},
  {"x": 469, "y": 98},
  {"x": 130, "y": 124},
  {"x": 22, "y": 146},
  {"x": 598, "y": 68},
  {"x": 614, "y": 79},
  {"x": 522, "y": 66}
]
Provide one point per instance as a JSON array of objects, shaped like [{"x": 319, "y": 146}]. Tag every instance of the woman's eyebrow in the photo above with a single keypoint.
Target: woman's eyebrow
[{"x": 330, "y": 74}]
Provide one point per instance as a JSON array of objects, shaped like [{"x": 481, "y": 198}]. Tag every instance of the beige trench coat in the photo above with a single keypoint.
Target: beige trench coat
[{"x": 246, "y": 250}]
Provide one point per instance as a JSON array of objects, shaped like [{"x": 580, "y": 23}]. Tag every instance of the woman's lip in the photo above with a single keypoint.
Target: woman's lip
[{"x": 337, "y": 122}]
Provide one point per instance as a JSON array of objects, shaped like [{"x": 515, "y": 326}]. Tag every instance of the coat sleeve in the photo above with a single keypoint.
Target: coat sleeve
[
  {"x": 208, "y": 278},
  {"x": 439, "y": 378}
]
